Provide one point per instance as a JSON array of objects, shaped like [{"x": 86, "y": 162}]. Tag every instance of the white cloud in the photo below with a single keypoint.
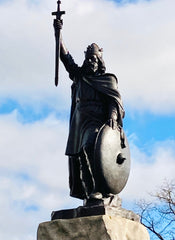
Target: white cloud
[
  {"x": 138, "y": 41},
  {"x": 33, "y": 174},
  {"x": 148, "y": 171},
  {"x": 35, "y": 149}
]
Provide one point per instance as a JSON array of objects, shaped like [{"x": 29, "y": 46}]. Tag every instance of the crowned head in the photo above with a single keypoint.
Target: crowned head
[{"x": 94, "y": 63}]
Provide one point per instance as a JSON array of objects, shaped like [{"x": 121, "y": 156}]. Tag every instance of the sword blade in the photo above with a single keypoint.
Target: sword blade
[
  {"x": 58, "y": 15},
  {"x": 57, "y": 55}
]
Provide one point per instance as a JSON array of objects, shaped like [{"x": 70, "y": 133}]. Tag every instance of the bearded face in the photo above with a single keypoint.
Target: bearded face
[{"x": 91, "y": 64}]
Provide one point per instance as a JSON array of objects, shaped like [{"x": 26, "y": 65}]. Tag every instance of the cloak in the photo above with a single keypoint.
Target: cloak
[
  {"x": 91, "y": 113},
  {"x": 91, "y": 97}
]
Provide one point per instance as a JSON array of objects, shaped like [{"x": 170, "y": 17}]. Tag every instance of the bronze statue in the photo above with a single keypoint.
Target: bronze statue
[{"x": 97, "y": 148}]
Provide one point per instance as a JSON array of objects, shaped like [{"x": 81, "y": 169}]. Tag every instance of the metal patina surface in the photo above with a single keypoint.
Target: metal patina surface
[
  {"x": 97, "y": 148},
  {"x": 112, "y": 161}
]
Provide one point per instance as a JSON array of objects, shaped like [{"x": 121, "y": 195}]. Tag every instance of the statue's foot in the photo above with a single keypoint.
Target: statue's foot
[
  {"x": 94, "y": 199},
  {"x": 96, "y": 195},
  {"x": 109, "y": 195}
]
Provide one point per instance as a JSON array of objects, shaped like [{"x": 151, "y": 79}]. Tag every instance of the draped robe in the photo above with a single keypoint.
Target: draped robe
[{"x": 92, "y": 98}]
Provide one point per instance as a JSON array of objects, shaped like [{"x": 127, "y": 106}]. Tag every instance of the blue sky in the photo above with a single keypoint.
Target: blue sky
[
  {"x": 122, "y": 2},
  {"x": 147, "y": 126},
  {"x": 139, "y": 48}
]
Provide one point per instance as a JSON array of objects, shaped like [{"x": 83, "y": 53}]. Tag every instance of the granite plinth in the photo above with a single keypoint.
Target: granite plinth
[{"x": 93, "y": 227}]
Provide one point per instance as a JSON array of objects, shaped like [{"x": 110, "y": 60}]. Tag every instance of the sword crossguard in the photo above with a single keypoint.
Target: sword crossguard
[{"x": 58, "y": 13}]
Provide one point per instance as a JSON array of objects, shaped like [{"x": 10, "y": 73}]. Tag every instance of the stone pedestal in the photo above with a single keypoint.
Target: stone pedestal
[
  {"x": 100, "y": 227},
  {"x": 96, "y": 220}
]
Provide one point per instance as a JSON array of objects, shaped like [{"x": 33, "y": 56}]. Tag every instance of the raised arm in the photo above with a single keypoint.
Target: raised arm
[{"x": 65, "y": 56}]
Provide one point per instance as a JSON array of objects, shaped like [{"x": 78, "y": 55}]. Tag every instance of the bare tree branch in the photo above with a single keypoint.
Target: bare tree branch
[{"x": 158, "y": 216}]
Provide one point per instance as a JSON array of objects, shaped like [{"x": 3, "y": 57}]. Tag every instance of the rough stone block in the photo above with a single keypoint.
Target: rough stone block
[{"x": 92, "y": 228}]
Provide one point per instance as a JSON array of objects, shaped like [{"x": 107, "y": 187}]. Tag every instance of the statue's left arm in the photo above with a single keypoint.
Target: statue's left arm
[
  {"x": 115, "y": 114},
  {"x": 112, "y": 114}
]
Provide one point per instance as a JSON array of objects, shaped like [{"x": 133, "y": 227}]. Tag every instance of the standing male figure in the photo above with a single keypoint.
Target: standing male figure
[{"x": 95, "y": 101}]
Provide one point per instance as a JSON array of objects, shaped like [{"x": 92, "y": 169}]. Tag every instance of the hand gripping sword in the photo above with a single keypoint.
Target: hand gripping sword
[{"x": 58, "y": 15}]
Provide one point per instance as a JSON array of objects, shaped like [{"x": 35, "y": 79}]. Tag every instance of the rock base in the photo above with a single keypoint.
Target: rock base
[{"x": 92, "y": 228}]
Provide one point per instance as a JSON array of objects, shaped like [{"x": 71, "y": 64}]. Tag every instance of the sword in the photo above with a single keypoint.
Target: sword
[{"x": 58, "y": 15}]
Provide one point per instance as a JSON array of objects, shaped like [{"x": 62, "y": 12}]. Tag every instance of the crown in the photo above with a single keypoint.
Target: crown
[{"x": 93, "y": 49}]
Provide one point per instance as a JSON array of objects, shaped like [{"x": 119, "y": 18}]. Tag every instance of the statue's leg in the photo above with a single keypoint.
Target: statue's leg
[
  {"x": 88, "y": 178},
  {"x": 86, "y": 174},
  {"x": 75, "y": 184}
]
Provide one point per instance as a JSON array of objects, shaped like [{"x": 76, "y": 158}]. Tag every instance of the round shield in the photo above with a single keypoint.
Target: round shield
[{"x": 112, "y": 162}]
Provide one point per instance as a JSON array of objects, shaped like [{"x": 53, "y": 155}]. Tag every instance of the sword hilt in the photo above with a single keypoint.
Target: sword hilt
[{"x": 58, "y": 13}]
